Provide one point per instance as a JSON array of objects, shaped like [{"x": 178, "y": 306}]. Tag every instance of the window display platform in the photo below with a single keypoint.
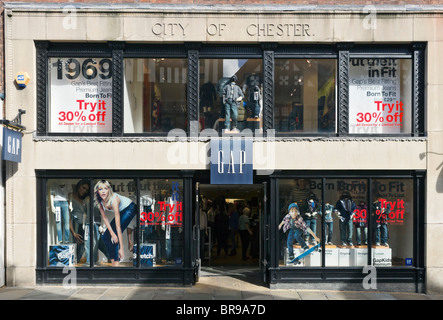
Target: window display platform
[{"x": 348, "y": 256}]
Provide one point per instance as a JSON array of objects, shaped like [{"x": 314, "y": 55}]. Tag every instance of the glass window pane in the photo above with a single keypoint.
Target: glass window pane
[
  {"x": 393, "y": 222},
  {"x": 80, "y": 97},
  {"x": 304, "y": 95},
  {"x": 346, "y": 222},
  {"x": 295, "y": 237},
  {"x": 243, "y": 113},
  {"x": 380, "y": 94},
  {"x": 113, "y": 244},
  {"x": 161, "y": 222},
  {"x": 155, "y": 95},
  {"x": 68, "y": 221}
]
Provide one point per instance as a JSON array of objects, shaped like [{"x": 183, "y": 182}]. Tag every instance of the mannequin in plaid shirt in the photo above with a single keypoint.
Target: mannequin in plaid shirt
[{"x": 296, "y": 226}]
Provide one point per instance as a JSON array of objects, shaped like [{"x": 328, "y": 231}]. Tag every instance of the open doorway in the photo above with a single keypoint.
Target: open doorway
[{"x": 233, "y": 237}]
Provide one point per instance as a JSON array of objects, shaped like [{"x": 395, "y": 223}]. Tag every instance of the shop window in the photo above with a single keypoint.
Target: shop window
[
  {"x": 68, "y": 219},
  {"x": 80, "y": 95},
  {"x": 219, "y": 109},
  {"x": 305, "y": 93},
  {"x": 155, "y": 95},
  {"x": 380, "y": 94},
  {"x": 346, "y": 222},
  {"x": 295, "y": 238},
  {"x": 354, "y": 225},
  {"x": 161, "y": 222},
  {"x": 392, "y": 222},
  {"x": 160, "y": 215}
]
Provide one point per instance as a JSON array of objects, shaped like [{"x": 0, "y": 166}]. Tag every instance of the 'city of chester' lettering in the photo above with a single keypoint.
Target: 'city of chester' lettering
[
  {"x": 253, "y": 29},
  {"x": 279, "y": 29}
]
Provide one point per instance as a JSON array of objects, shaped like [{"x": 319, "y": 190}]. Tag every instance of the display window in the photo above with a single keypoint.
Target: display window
[
  {"x": 304, "y": 95},
  {"x": 392, "y": 222},
  {"x": 300, "y": 222},
  {"x": 161, "y": 222},
  {"x": 380, "y": 94},
  {"x": 155, "y": 95},
  {"x": 360, "y": 225},
  {"x": 116, "y": 209},
  {"x": 231, "y": 94}
]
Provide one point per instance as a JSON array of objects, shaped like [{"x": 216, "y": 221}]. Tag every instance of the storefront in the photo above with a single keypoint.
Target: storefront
[{"x": 136, "y": 111}]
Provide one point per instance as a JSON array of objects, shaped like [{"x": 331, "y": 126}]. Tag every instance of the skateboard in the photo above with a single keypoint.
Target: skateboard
[{"x": 297, "y": 259}]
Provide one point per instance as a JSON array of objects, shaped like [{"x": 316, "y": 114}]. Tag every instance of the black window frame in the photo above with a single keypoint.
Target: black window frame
[
  {"x": 268, "y": 52},
  {"x": 414, "y": 274},
  {"x": 181, "y": 274}
]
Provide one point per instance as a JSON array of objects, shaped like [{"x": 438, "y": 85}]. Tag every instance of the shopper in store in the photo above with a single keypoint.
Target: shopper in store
[
  {"x": 203, "y": 229},
  {"x": 245, "y": 231},
  {"x": 221, "y": 226},
  {"x": 233, "y": 228},
  {"x": 124, "y": 211}
]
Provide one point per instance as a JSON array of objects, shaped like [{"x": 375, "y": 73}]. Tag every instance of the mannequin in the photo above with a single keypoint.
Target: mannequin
[
  {"x": 207, "y": 97},
  {"x": 345, "y": 208},
  {"x": 296, "y": 226},
  {"x": 329, "y": 222},
  {"x": 310, "y": 215},
  {"x": 232, "y": 95},
  {"x": 381, "y": 222},
  {"x": 254, "y": 101},
  {"x": 60, "y": 203},
  {"x": 361, "y": 223}
]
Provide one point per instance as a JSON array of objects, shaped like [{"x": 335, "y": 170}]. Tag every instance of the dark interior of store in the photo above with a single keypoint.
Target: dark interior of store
[{"x": 224, "y": 242}]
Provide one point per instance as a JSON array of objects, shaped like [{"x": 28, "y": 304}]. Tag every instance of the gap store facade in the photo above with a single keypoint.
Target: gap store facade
[{"x": 130, "y": 101}]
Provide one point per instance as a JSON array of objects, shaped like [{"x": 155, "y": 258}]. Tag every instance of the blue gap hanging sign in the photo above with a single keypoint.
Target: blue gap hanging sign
[
  {"x": 12, "y": 145},
  {"x": 231, "y": 161}
]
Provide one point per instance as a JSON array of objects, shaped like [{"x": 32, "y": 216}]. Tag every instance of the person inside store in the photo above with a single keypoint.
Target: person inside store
[
  {"x": 203, "y": 229},
  {"x": 233, "y": 227},
  {"x": 124, "y": 211},
  {"x": 221, "y": 227},
  {"x": 245, "y": 231}
]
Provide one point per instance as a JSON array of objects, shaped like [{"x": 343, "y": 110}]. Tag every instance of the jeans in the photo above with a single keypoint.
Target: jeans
[
  {"x": 231, "y": 106},
  {"x": 383, "y": 230},
  {"x": 312, "y": 224},
  {"x": 346, "y": 231},
  {"x": 328, "y": 231},
  {"x": 298, "y": 235},
  {"x": 255, "y": 108},
  {"x": 358, "y": 231},
  {"x": 125, "y": 218},
  {"x": 95, "y": 243},
  {"x": 64, "y": 220},
  {"x": 232, "y": 234},
  {"x": 244, "y": 237}
]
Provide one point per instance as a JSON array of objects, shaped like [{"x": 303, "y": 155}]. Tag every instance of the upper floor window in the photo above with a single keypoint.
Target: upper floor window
[
  {"x": 380, "y": 94},
  {"x": 304, "y": 95},
  {"x": 155, "y": 95},
  {"x": 80, "y": 95}
]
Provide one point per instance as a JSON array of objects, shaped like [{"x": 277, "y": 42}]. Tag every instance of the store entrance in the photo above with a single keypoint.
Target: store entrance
[{"x": 233, "y": 235}]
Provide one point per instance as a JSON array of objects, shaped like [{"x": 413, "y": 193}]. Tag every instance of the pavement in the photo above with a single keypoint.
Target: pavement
[{"x": 211, "y": 286}]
